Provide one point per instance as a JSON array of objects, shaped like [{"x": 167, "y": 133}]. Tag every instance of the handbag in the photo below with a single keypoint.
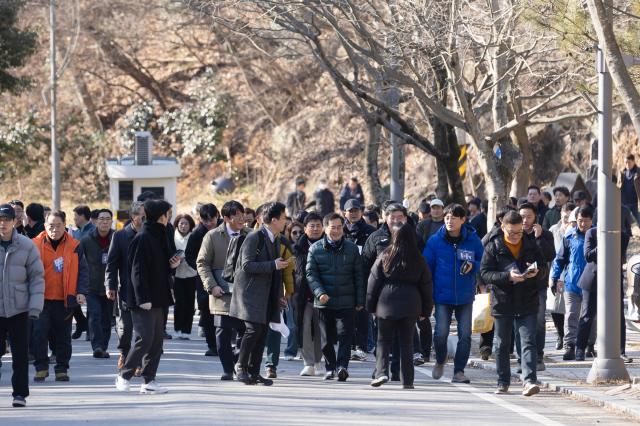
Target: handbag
[{"x": 481, "y": 314}]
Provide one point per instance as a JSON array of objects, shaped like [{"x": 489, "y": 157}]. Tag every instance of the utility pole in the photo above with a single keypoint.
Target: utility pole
[
  {"x": 55, "y": 155},
  {"x": 608, "y": 366},
  {"x": 396, "y": 184}
]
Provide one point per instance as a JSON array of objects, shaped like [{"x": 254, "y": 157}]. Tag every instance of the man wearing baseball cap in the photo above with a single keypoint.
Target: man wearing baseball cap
[
  {"x": 426, "y": 228},
  {"x": 21, "y": 297}
]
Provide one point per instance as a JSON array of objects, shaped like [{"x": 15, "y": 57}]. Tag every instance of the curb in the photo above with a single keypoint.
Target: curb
[{"x": 626, "y": 408}]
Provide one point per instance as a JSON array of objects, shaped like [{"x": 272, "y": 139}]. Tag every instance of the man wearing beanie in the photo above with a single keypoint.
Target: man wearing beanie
[{"x": 150, "y": 264}]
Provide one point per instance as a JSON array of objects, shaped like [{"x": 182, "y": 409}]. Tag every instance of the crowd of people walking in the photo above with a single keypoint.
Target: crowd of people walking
[{"x": 337, "y": 286}]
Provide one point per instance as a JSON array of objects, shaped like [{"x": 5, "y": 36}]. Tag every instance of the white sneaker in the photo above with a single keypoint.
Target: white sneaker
[
  {"x": 358, "y": 355},
  {"x": 288, "y": 358},
  {"x": 152, "y": 388},
  {"x": 308, "y": 370},
  {"x": 319, "y": 367},
  {"x": 122, "y": 384}
]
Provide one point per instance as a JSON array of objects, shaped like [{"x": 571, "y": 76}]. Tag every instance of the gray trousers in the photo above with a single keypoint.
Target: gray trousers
[
  {"x": 311, "y": 346},
  {"x": 147, "y": 350},
  {"x": 573, "y": 307}
]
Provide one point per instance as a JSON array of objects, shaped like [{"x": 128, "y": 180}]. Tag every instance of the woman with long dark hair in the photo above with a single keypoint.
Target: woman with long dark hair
[{"x": 398, "y": 293}]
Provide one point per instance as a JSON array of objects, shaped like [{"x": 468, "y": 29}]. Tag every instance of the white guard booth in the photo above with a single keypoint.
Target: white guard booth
[{"x": 130, "y": 176}]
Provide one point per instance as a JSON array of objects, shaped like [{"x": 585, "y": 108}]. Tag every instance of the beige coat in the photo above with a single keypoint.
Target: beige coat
[{"x": 210, "y": 263}]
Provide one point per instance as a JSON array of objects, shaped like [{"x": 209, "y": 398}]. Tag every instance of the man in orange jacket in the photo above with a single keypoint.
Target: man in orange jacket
[{"x": 66, "y": 278}]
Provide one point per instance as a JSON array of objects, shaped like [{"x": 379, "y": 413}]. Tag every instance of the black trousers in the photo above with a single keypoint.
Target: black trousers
[
  {"x": 426, "y": 337},
  {"x": 404, "y": 328},
  {"x": 17, "y": 328},
  {"x": 206, "y": 319},
  {"x": 124, "y": 330},
  {"x": 55, "y": 319},
  {"x": 252, "y": 347},
  {"x": 558, "y": 322},
  {"x": 336, "y": 326},
  {"x": 588, "y": 313},
  {"x": 361, "y": 337},
  {"x": 147, "y": 350},
  {"x": 225, "y": 327},
  {"x": 184, "y": 291}
]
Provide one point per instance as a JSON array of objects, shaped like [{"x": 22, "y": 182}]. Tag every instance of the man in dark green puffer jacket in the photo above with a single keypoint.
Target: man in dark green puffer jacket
[{"x": 334, "y": 272}]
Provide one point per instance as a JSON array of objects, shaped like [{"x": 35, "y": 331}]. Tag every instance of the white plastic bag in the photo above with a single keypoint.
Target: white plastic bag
[{"x": 280, "y": 327}]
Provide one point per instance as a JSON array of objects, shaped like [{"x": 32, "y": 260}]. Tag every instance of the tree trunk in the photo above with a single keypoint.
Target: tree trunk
[
  {"x": 522, "y": 168},
  {"x": 372, "y": 147},
  {"x": 440, "y": 141},
  {"x": 453, "y": 171},
  {"x": 86, "y": 100},
  {"x": 615, "y": 61}
]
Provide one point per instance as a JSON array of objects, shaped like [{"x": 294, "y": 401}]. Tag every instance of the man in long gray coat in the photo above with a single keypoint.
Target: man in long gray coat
[
  {"x": 21, "y": 298},
  {"x": 257, "y": 291}
]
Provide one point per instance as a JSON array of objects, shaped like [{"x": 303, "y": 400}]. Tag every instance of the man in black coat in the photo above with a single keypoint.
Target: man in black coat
[
  {"x": 296, "y": 200},
  {"x": 324, "y": 199},
  {"x": 356, "y": 229},
  {"x": 544, "y": 241},
  {"x": 117, "y": 281},
  {"x": 208, "y": 220},
  {"x": 514, "y": 298},
  {"x": 351, "y": 190},
  {"x": 589, "y": 285},
  {"x": 150, "y": 263}
]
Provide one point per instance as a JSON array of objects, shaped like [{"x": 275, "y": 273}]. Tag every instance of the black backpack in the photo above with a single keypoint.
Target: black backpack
[{"x": 233, "y": 253}]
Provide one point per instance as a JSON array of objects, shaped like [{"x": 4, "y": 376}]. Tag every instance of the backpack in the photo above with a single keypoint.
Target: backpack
[{"x": 233, "y": 253}]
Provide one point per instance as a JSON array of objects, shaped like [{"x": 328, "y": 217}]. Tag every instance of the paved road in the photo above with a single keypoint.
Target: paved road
[{"x": 197, "y": 396}]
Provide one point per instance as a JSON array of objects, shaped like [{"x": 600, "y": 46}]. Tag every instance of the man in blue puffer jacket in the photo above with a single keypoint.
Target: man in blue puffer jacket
[
  {"x": 570, "y": 257},
  {"x": 453, "y": 255}
]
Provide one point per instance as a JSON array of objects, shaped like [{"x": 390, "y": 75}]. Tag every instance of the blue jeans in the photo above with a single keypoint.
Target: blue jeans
[
  {"x": 526, "y": 329},
  {"x": 443, "y": 316},
  {"x": 541, "y": 326},
  {"x": 274, "y": 338},
  {"x": 292, "y": 340},
  {"x": 100, "y": 310}
]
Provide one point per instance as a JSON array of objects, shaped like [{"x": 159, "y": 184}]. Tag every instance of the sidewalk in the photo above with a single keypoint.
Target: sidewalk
[{"x": 569, "y": 377}]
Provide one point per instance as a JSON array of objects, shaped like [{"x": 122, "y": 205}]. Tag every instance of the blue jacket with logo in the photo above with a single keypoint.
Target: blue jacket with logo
[
  {"x": 444, "y": 258},
  {"x": 570, "y": 257}
]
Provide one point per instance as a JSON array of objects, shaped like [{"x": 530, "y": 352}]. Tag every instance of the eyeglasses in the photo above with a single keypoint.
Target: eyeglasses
[
  {"x": 296, "y": 232},
  {"x": 514, "y": 233}
]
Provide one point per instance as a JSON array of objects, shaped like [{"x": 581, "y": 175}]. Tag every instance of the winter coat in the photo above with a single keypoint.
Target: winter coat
[
  {"x": 22, "y": 286},
  {"x": 75, "y": 272},
  {"x": 570, "y": 257},
  {"x": 325, "y": 202},
  {"x": 589, "y": 278},
  {"x": 547, "y": 247},
  {"x": 149, "y": 269},
  {"x": 508, "y": 298},
  {"x": 97, "y": 259},
  {"x": 210, "y": 263},
  {"x": 375, "y": 244},
  {"x": 445, "y": 259},
  {"x": 479, "y": 223},
  {"x": 80, "y": 233},
  {"x": 192, "y": 250},
  {"x": 117, "y": 270},
  {"x": 336, "y": 272},
  {"x": 358, "y": 232},
  {"x": 257, "y": 286},
  {"x": 296, "y": 201},
  {"x": 346, "y": 195},
  {"x": 425, "y": 229},
  {"x": 551, "y": 217},
  {"x": 400, "y": 293}
]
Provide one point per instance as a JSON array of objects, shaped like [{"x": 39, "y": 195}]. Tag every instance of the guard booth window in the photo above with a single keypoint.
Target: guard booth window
[{"x": 158, "y": 190}]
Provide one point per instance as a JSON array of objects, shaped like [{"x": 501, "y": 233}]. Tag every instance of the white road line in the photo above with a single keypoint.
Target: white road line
[{"x": 525, "y": 412}]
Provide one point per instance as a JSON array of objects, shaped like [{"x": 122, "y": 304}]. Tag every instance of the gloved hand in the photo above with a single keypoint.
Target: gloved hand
[{"x": 146, "y": 306}]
